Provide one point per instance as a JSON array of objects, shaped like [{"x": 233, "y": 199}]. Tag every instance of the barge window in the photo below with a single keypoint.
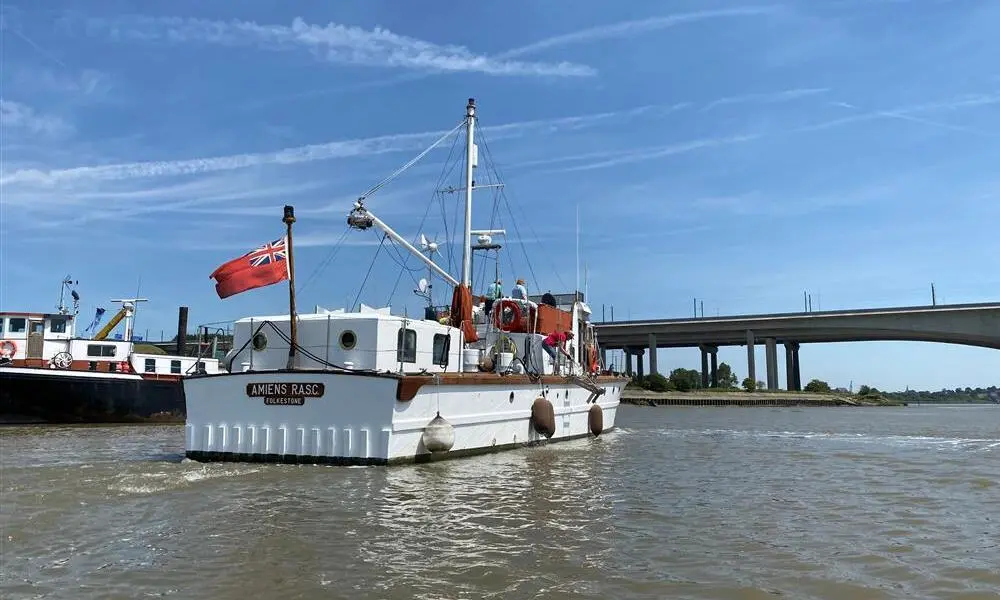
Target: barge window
[
  {"x": 175, "y": 366},
  {"x": 101, "y": 349},
  {"x": 442, "y": 343},
  {"x": 151, "y": 365},
  {"x": 406, "y": 346},
  {"x": 18, "y": 325},
  {"x": 57, "y": 325}
]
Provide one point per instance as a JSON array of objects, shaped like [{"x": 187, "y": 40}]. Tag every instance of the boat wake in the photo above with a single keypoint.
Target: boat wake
[{"x": 908, "y": 441}]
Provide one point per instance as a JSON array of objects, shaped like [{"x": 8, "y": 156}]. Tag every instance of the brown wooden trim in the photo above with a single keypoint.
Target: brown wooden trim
[{"x": 409, "y": 385}]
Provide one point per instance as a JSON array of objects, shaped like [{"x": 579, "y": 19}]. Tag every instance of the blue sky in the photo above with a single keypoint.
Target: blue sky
[{"x": 736, "y": 153}]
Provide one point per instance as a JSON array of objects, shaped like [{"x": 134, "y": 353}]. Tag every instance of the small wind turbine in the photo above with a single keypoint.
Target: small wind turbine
[{"x": 424, "y": 287}]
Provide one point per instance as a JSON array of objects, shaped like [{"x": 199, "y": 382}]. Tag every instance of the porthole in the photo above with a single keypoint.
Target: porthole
[
  {"x": 348, "y": 340},
  {"x": 259, "y": 341}
]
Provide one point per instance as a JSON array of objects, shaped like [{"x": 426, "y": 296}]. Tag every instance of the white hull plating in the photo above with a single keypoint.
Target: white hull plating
[{"x": 358, "y": 419}]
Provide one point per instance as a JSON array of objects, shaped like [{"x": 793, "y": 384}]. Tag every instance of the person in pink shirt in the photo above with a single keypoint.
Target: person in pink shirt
[{"x": 553, "y": 342}]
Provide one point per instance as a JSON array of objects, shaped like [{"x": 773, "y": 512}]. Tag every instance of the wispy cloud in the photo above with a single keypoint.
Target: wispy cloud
[
  {"x": 766, "y": 98},
  {"x": 612, "y": 158},
  {"x": 300, "y": 154},
  {"x": 332, "y": 42},
  {"x": 635, "y": 27},
  {"x": 19, "y": 116}
]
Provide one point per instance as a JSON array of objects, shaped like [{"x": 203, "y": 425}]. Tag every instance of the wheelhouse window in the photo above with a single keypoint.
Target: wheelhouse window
[
  {"x": 406, "y": 346},
  {"x": 18, "y": 324},
  {"x": 175, "y": 367},
  {"x": 57, "y": 324},
  {"x": 101, "y": 349},
  {"x": 442, "y": 343},
  {"x": 150, "y": 366}
]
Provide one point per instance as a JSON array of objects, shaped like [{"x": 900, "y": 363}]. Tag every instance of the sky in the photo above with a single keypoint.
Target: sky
[{"x": 740, "y": 154}]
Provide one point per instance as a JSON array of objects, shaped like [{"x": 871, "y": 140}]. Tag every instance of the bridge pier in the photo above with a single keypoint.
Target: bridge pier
[
  {"x": 771, "y": 356},
  {"x": 792, "y": 366},
  {"x": 638, "y": 362},
  {"x": 709, "y": 376},
  {"x": 604, "y": 358},
  {"x": 751, "y": 368},
  {"x": 652, "y": 354}
]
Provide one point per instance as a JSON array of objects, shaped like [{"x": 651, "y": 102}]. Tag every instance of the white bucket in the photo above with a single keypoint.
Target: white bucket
[
  {"x": 503, "y": 360},
  {"x": 470, "y": 359}
]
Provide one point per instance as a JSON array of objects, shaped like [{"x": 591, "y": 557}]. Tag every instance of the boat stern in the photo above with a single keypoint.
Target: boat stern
[{"x": 290, "y": 416}]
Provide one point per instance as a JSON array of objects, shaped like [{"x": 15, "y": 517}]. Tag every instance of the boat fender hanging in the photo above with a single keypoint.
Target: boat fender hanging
[
  {"x": 595, "y": 419},
  {"x": 8, "y": 348},
  {"x": 543, "y": 417},
  {"x": 439, "y": 435}
]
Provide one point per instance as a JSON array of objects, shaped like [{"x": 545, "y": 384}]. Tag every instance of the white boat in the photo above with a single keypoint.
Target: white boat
[{"x": 370, "y": 387}]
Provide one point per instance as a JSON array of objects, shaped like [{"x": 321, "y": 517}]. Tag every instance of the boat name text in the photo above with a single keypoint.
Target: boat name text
[{"x": 285, "y": 394}]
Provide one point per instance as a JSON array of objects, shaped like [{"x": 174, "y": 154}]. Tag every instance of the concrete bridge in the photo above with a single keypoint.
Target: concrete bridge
[{"x": 966, "y": 324}]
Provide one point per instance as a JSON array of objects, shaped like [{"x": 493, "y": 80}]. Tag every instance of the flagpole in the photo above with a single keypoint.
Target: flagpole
[{"x": 288, "y": 219}]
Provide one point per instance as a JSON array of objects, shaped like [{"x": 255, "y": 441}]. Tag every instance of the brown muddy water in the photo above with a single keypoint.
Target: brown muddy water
[{"x": 723, "y": 503}]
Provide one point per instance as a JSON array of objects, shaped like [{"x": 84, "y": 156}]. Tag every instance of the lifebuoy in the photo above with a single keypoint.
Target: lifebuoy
[
  {"x": 8, "y": 348},
  {"x": 515, "y": 323}
]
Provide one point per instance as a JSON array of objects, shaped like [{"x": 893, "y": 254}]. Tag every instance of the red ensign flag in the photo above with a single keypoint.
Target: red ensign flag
[{"x": 264, "y": 266}]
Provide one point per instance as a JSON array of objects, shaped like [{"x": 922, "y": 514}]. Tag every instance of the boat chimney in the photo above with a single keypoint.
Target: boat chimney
[{"x": 182, "y": 325}]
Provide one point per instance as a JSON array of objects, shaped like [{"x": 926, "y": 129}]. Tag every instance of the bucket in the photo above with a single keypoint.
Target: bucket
[
  {"x": 503, "y": 360},
  {"x": 470, "y": 359}
]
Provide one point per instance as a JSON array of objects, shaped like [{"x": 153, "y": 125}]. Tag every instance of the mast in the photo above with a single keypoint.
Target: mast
[
  {"x": 288, "y": 219},
  {"x": 470, "y": 163}
]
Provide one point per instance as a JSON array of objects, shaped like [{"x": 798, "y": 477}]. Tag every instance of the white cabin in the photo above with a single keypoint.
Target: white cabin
[
  {"x": 375, "y": 340},
  {"x": 50, "y": 341}
]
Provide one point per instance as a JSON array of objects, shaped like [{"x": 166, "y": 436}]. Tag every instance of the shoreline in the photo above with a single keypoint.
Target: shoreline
[{"x": 742, "y": 398}]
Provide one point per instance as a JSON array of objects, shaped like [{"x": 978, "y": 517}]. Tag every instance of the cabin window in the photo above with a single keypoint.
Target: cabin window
[
  {"x": 442, "y": 342},
  {"x": 175, "y": 367},
  {"x": 259, "y": 341},
  {"x": 92, "y": 365},
  {"x": 101, "y": 349},
  {"x": 57, "y": 325},
  {"x": 18, "y": 325},
  {"x": 199, "y": 367},
  {"x": 2, "y": 321},
  {"x": 150, "y": 365},
  {"x": 348, "y": 340},
  {"x": 112, "y": 367},
  {"x": 406, "y": 346}
]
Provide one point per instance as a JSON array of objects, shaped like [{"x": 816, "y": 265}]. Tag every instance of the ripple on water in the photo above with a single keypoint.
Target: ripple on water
[{"x": 694, "y": 503}]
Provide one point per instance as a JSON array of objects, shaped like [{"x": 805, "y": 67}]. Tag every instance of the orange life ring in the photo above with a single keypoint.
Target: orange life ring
[
  {"x": 8, "y": 348},
  {"x": 516, "y": 324}
]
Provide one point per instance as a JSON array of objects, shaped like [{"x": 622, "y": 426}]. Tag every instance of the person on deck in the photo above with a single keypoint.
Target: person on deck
[
  {"x": 494, "y": 291},
  {"x": 553, "y": 342},
  {"x": 548, "y": 298},
  {"x": 519, "y": 292}
]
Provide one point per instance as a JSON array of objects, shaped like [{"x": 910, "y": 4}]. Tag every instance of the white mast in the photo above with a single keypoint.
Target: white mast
[{"x": 470, "y": 160}]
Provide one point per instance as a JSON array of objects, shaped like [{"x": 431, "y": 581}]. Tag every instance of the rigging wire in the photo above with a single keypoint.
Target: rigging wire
[
  {"x": 360, "y": 289},
  {"x": 409, "y": 164},
  {"x": 503, "y": 194},
  {"x": 326, "y": 260}
]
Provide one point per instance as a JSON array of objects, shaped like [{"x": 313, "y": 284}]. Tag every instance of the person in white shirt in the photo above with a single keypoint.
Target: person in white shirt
[{"x": 519, "y": 292}]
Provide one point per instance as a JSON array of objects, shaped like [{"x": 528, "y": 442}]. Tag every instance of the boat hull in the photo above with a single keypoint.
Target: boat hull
[
  {"x": 377, "y": 419},
  {"x": 38, "y": 395}
]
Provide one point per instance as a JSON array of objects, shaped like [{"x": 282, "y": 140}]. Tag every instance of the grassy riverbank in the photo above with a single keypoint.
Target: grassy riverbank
[{"x": 632, "y": 395}]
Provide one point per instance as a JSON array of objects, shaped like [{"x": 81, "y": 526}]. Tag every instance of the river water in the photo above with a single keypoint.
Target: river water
[{"x": 858, "y": 503}]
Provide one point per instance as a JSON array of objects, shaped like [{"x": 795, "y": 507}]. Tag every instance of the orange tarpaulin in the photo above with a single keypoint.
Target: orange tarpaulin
[{"x": 461, "y": 312}]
